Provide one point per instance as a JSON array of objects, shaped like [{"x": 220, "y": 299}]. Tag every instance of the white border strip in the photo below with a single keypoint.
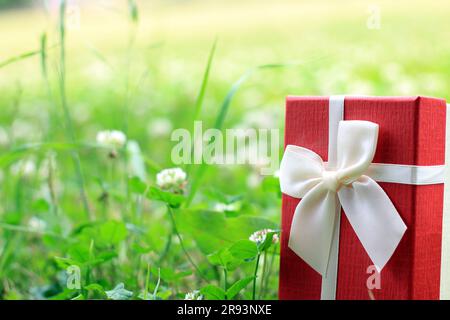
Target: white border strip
[{"x": 445, "y": 254}]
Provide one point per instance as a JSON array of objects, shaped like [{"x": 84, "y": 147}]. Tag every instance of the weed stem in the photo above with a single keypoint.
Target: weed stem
[
  {"x": 264, "y": 268},
  {"x": 68, "y": 119},
  {"x": 225, "y": 280},
  {"x": 166, "y": 248},
  {"x": 182, "y": 244},
  {"x": 255, "y": 276}
]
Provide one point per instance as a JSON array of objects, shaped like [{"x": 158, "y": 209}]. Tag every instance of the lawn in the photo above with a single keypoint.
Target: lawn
[{"x": 84, "y": 216}]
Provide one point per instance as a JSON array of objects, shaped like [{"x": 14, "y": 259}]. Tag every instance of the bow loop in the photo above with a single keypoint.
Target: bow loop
[
  {"x": 356, "y": 146},
  {"x": 304, "y": 168}
]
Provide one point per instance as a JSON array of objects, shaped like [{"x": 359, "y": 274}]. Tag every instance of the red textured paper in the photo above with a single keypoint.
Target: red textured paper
[{"x": 412, "y": 132}]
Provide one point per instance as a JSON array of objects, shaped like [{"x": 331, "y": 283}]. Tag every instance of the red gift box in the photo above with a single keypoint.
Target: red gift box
[{"x": 411, "y": 132}]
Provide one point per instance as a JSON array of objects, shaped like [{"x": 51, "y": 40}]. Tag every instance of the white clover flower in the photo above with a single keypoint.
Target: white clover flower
[
  {"x": 98, "y": 71},
  {"x": 253, "y": 180},
  {"x": 360, "y": 87},
  {"x": 37, "y": 225},
  {"x": 47, "y": 166},
  {"x": 160, "y": 127},
  {"x": 114, "y": 139},
  {"x": 24, "y": 168},
  {"x": 173, "y": 179},
  {"x": 23, "y": 130},
  {"x": 136, "y": 163},
  {"x": 81, "y": 113},
  {"x": 262, "y": 119},
  {"x": 392, "y": 72},
  {"x": 259, "y": 237},
  {"x": 405, "y": 86},
  {"x": 276, "y": 174},
  {"x": 119, "y": 293},
  {"x": 4, "y": 139},
  {"x": 222, "y": 207},
  {"x": 193, "y": 295}
]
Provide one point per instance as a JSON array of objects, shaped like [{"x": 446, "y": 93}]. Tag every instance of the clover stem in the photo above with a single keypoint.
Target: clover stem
[
  {"x": 255, "y": 275},
  {"x": 264, "y": 268},
  {"x": 147, "y": 279},
  {"x": 167, "y": 247},
  {"x": 225, "y": 281},
  {"x": 269, "y": 270},
  {"x": 175, "y": 230}
]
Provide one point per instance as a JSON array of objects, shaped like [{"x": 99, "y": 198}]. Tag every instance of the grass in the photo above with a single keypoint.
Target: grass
[{"x": 147, "y": 68}]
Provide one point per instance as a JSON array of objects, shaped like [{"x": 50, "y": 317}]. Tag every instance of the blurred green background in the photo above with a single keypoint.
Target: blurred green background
[{"x": 139, "y": 70}]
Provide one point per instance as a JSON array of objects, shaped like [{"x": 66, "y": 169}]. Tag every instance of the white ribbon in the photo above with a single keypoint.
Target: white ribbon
[
  {"x": 348, "y": 179},
  {"x": 369, "y": 210}
]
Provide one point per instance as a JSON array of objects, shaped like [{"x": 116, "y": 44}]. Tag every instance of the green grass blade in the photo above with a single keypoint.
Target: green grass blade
[
  {"x": 25, "y": 55},
  {"x": 235, "y": 87},
  {"x": 201, "y": 94},
  {"x": 99, "y": 56},
  {"x": 133, "y": 11},
  {"x": 223, "y": 111},
  {"x": 20, "y": 57},
  {"x": 12, "y": 155},
  {"x": 70, "y": 131},
  {"x": 25, "y": 229},
  {"x": 43, "y": 54}
]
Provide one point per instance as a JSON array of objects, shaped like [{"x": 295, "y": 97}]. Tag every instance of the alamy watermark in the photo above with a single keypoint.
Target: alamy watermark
[
  {"x": 73, "y": 16},
  {"x": 73, "y": 277},
  {"x": 257, "y": 147},
  {"x": 374, "y": 279},
  {"x": 72, "y": 12},
  {"x": 374, "y": 19}
]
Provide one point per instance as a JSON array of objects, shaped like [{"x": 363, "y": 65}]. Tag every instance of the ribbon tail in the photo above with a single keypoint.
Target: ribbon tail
[
  {"x": 374, "y": 218},
  {"x": 312, "y": 227}
]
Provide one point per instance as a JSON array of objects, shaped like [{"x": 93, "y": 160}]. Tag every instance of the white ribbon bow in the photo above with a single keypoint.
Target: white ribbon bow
[{"x": 303, "y": 174}]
